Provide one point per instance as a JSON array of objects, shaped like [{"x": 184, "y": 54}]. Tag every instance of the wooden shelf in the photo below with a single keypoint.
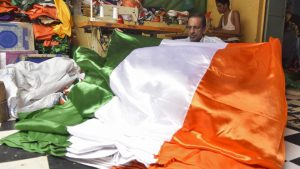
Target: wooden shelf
[
  {"x": 141, "y": 28},
  {"x": 219, "y": 35}
]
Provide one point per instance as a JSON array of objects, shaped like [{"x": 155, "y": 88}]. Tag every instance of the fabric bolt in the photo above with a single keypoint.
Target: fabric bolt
[
  {"x": 31, "y": 86},
  {"x": 168, "y": 104}
]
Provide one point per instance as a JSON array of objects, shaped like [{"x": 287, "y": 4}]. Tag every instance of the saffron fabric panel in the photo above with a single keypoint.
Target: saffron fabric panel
[{"x": 238, "y": 114}]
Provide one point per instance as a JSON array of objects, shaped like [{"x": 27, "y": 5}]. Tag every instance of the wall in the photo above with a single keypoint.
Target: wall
[
  {"x": 295, "y": 6},
  {"x": 252, "y": 13}
]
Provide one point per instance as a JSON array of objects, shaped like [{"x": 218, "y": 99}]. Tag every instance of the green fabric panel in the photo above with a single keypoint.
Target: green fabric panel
[
  {"x": 52, "y": 120},
  {"x": 45, "y": 131},
  {"x": 122, "y": 44},
  {"x": 95, "y": 86},
  {"x": 38, "y": 142},
  {"x": 194, "y": 6}
]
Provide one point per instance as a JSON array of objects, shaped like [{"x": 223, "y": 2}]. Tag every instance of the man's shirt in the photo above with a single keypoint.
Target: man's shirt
[{"x": 205, "y": 39}]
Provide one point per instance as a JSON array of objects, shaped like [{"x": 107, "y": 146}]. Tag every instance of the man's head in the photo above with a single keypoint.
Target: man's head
[
  {"x": 222, "y": 5},
  {"x": 196, "y": 26}
]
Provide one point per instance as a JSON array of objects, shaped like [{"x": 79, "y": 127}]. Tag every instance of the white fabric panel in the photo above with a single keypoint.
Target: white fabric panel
[
  {"x": 153, "y": 89},
  {"x": 32, "y": 86}
]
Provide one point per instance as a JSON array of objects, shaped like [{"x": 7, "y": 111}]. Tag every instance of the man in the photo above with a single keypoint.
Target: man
[{"x": 196, "y": 27}]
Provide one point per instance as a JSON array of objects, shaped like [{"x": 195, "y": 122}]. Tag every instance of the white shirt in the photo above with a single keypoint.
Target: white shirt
[
  {"x": 205, "y": 39},
  {"x": 229, "y": 25}
]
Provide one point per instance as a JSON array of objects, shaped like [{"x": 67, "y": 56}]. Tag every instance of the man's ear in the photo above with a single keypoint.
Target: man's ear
[{"x": 204, "y": 30}]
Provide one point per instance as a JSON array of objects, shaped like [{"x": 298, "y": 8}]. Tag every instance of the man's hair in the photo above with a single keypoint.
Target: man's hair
[
  {"x": 201, "y": 17},
  {"x": 223, "y": 2}
]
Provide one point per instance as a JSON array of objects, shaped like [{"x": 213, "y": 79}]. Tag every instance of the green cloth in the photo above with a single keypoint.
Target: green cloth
[
  {"x": 62, "y": 48},
  {"x": 194, "y": 6},
  {"x": 45, "y": 131}
]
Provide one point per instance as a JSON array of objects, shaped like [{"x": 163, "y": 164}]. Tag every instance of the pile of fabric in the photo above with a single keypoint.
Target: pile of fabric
[
  {"x": 156, "y": 104},
  {"x": 51, "y": 21},
  {"x": 32, "y": 86}
]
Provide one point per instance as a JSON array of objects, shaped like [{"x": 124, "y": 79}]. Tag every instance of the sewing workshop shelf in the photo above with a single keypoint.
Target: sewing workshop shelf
[{"x": 147, "y": 28}]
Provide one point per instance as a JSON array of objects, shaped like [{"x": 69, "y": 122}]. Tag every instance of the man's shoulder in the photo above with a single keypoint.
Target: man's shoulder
[
  {"x": 211, "y": 39},
  {"x": 184, "y": 39}
]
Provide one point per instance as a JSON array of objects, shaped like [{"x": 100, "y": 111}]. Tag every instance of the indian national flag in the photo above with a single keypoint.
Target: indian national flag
[{"x": 168, "y": 104}]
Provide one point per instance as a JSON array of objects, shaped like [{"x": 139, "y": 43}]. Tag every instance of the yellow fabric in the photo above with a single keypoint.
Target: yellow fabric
[{"x": 64, "y": 15}]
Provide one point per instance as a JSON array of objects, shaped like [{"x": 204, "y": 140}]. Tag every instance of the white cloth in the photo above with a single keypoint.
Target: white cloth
[
  {"x": 205, "y": 39},
  {"x": 32, "y": 86},
  {"x": 153, "y": 89}
]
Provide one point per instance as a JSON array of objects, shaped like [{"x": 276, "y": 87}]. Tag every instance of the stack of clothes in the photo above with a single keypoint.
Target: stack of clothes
[{"x": 51, "y": 21}]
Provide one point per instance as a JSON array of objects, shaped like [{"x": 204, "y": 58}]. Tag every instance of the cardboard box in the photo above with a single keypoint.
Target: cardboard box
[
  {"x": 16, "y": 36},
  {"x": 12, "y": 57},
  {"x": 38, "y": 58}
]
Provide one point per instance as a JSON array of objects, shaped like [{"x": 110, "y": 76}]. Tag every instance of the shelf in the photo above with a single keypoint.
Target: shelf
[{"x": 141, "y": 28}]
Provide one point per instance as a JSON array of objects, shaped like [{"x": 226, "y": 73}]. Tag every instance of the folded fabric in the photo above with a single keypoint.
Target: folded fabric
[
  {"x": 5, "y": 6},
  {"x": 39, "y": 10},
  {"x": 42, "y": 32}
]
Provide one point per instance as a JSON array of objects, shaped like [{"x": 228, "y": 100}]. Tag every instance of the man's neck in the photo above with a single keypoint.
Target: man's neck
[{"x": 227, "y": 11}]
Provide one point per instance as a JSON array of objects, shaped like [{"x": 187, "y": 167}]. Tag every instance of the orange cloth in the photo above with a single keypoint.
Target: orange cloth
[
  {"x": 42, "y": 32},
  {"x": 5, "y": 6},
  {"x": 237, "y": 116},
  {"x": 48, "y": 43},
  {"x": 39, "y": 10}
]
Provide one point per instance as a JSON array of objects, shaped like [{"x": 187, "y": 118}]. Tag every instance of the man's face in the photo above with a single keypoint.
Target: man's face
[
  {"x": 221, "y": 8},
  {"x": 195, "y": 30}
]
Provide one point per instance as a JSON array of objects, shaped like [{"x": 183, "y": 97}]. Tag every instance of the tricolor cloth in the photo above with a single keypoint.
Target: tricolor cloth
[{"x": 168, "y": 104}]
